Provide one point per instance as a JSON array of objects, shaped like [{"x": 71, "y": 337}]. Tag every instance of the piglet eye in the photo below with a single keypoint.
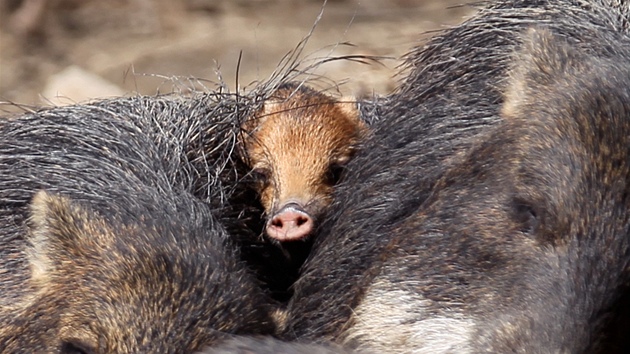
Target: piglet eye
[
  {"x": 261, "y": 175},
  {"x": 333, "y": 175}
]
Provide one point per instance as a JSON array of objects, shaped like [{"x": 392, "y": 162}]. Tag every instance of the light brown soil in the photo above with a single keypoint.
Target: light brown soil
[{"x": 140, "y": 45}]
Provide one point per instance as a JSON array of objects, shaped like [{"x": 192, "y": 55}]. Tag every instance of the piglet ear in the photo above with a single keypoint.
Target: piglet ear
[
  {"x": 349, "y": 108},
  {"x": 270, "y": 107},
  {"x": 253, "y": 121}
]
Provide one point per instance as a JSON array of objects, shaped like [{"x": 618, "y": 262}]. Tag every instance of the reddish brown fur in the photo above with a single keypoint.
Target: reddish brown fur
[{"x": 294, "y": 141}]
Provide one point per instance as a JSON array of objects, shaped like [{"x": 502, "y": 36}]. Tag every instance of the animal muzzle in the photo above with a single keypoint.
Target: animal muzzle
[{"x": 291, "y": 223}]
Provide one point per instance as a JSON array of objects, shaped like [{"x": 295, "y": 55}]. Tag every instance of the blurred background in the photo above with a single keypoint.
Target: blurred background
[{"x": 66, "y": 51}]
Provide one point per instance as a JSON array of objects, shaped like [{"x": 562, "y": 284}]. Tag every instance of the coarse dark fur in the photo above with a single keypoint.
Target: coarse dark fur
[
  {"x": 269, "y": 345},
  {"x": 451, "y": 98},
  {"x": 126, "y": 251}
]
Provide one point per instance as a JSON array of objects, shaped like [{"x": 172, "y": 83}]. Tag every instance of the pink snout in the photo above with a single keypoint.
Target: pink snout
[{"x": 291, "y": 223}]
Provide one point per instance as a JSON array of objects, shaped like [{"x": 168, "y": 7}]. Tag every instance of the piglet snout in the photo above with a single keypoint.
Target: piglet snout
[{"x": 291, "y": 223}]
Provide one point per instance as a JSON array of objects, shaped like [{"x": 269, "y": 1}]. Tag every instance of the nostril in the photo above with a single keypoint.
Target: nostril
[
  {"x": 277, "y": 222},
  {"x": 302, "y": 220}
]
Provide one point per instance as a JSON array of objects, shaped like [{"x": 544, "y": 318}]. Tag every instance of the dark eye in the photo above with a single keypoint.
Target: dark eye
[
  {"x": 526, "y": 216},
  {"x": 75, "y": 347},
  {"x": 261, "y": 175},
  {"x": 333, "y": 175}
]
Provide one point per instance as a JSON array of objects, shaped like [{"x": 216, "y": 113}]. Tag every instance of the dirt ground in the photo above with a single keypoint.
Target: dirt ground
[{"x": 142, "y": 46}]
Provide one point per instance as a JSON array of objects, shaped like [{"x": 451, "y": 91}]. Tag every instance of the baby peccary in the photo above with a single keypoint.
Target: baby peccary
[{"x": 297, "y": 145}]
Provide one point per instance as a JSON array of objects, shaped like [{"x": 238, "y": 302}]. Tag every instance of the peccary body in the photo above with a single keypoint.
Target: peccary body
[
  {"x": 463, "y": 229},
  {"x": 269, "y": 345},
  {"x": 121, "y": 250}
]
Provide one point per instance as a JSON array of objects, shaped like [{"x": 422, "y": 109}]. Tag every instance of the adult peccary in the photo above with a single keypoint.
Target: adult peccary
[
  {"x": 518, "y": 245},
  {"x": 111, "y": 230}
]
